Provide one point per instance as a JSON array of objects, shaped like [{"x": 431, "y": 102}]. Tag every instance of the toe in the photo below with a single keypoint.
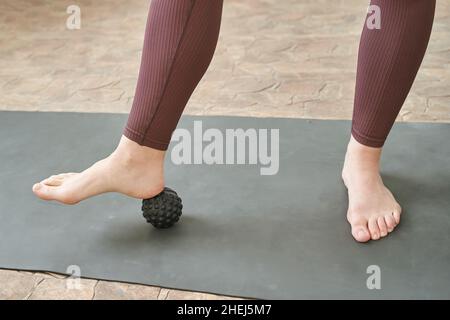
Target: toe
[
  {"x": 373, "y": 228},
  {"x": 382, "y": 226},
  {"x": 360, "y": 231},
  {"x": 396, "y": 214},
  {"x": 390, "y": 222},
  {"x": 361, "y": 234},
  {"x": 57, "y": 180},
  {"x": 52, "y": 181},
  {"x": 44, "y": 191},
  {"x": 66, "y": 175}
]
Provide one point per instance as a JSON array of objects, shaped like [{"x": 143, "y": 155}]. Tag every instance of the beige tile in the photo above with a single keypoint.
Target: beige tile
[
  {"x": 106, "y": 290},
  {"x": 15, "y": 285},
  {"x": 271, "y": 57},
  {"x": 64, "y": 289}
]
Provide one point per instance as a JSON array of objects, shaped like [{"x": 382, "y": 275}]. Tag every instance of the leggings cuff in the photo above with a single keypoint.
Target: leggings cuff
[
  {"x": 365, "y": 140},
  {"x": 144, "y": 141}
]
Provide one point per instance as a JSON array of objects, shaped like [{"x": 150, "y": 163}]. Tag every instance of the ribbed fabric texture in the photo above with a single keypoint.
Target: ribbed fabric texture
[
  {"x": 180, "y": 39},
  {"x": 388, "y": 61}
]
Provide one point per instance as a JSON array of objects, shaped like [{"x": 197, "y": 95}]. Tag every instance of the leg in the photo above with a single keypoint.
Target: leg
[
  {"x": 388, "y": 61},
  {"x": 180, "y": 40}
]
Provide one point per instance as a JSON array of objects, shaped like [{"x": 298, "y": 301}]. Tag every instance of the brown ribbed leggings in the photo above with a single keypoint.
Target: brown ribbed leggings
[
  {"x": 388, "y": 61},
  {"x": 181, "y": 37}
]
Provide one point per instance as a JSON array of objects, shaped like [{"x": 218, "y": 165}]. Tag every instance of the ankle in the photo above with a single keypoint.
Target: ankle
[
  {"x": 132, "y": 154},
  {"x": 361, "y": 163},
  {"x": 359, "y": 153}
]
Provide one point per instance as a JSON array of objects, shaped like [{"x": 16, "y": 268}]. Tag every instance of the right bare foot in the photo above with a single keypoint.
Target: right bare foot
[
  {"x": 373, "y": 211},
  {"x": 133, "y": 170}
]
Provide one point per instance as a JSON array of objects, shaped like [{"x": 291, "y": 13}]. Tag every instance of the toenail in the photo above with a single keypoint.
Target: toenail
[
  {"x": 37, "y": 186},
  {"x": 361, "y": 233}
]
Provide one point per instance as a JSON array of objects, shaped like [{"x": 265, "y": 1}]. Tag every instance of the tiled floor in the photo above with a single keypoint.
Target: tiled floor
[{"x": 274, "y": 58}]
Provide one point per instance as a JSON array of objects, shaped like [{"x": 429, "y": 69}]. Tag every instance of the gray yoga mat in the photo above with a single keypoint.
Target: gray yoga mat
[{"x": 241, "y": 233}]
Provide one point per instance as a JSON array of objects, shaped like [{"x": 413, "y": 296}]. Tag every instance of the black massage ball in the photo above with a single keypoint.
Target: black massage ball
[{"x": 163, "y": 210}]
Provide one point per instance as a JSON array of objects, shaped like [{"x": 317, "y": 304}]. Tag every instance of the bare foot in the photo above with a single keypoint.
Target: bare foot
[
  {"x": 373, "y": 211},
  {"x": 131, "y": 169}
]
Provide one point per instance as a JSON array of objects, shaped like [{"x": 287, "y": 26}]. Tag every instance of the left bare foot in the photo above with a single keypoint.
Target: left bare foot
[{"x": 373, "y": 211}]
